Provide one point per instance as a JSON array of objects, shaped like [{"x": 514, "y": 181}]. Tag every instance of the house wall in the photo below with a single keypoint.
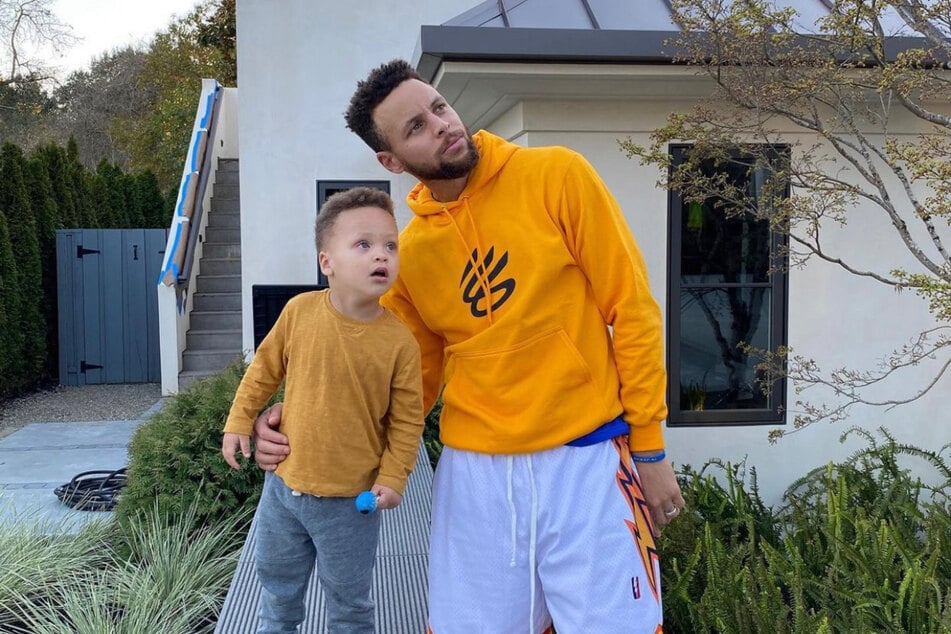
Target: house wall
[
  {"x": 296, "y": 75},
  {"x": 298, "y": 64},
  {"x": 835, "y": 317}
]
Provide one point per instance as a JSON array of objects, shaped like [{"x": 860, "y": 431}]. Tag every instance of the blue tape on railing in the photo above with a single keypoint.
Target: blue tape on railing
[
  {"x": 183, "y": 194},
  {"x": 171, "y": 254}
]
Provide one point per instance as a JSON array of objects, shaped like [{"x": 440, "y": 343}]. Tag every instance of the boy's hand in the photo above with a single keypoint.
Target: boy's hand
[
  {"x": 230, "y": 444},
  {"x": 386, "y": 498}
]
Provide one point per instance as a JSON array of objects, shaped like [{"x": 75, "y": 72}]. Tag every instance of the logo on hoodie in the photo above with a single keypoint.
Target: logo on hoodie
[{"x": 475, "y": 281}]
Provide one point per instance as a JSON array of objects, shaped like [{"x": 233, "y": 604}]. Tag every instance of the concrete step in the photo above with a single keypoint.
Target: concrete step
[
  {"x": 218, "y": 283},
  {"x": 215, "y": 319},
  {"x": 220, "y": 266},
  {"x": 231, "y": 235},
  {"x": 222, "y": 218},
  {"x": 225, "y": 205},
  {"x": 226, "y": 190},
  {"x": 212, "y": 340},
  {"x": 227, "y": 165},
  {"x": 202, "y": 301},
  {"x": 227, "y": 176},
  {"x": 221, "y": 250},
  {"x": 208, "y": 361}
]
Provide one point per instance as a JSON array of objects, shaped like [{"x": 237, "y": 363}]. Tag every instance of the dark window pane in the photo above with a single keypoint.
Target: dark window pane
[
  {"x": 715, "y": 373},
  {"x": 718, "y": 249},
  {"x": 720, "y": 245}
]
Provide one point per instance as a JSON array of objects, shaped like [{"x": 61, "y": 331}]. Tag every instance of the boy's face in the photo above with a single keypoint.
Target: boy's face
[{"x": 360, "y": 255}]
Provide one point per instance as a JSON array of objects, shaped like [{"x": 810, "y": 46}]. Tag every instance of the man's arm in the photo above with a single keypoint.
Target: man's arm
[
  {"x": 603, "y": 246},
  {"x": 270, "y": 445}
]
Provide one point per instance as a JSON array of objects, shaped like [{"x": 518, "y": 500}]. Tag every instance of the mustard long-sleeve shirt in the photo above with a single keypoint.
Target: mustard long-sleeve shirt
[{"x": 353, "y": 397}]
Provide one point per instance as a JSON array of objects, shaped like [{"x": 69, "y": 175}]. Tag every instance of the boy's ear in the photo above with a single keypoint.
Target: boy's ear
[
  {"x": 389, "y": 161},
  {"x": 323, "y": 261}
]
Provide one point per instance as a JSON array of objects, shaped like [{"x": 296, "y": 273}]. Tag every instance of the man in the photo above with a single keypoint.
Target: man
[{"x": 530, "y": 302}]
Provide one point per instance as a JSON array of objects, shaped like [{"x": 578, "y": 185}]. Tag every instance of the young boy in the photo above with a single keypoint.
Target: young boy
[{"x": 353, "y": 407}]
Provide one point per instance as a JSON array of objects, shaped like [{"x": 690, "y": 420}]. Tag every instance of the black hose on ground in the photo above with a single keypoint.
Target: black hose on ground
[{"x": 92, "y": 490}]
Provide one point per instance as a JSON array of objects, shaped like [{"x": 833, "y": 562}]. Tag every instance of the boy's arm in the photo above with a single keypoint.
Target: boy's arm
[
  {"x": 260, "y": 380},
  {"x": 404, "y": 424}
]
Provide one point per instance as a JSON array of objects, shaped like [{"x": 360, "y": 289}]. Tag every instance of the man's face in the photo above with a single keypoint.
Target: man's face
[{"x": 425, "y": 136}]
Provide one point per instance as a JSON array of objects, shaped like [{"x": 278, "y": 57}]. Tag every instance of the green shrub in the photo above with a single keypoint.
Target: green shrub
[
  {"x": 431, "y": 434},
  {"x": 859, "y": 546},
  {"x": 175, "y": 458},
  {"x": 36, "y": 562},
  {"x": 157, "y": 574}
]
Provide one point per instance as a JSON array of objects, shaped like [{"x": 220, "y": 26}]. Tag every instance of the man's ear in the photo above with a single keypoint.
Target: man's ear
[
  {"x": 323, "y": 261},
  {"x": 389, "y": 161}
]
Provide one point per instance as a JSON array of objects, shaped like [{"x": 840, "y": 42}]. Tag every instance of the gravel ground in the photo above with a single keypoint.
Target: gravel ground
[{"x": 79, "y": 403}]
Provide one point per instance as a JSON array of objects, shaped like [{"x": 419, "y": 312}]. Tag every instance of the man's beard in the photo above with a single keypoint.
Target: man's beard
[{"x": 447, "y": 170}]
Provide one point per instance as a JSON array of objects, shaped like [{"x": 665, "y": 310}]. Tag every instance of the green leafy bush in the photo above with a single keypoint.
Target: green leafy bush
[
  {"x": 175, "y": 458},
  {"x": 859, "y": 546}
]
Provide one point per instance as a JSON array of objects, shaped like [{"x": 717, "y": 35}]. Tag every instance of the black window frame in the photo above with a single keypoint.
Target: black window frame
[
  {"x": 326, "y": 188},
  {"x": 778, "y": 327}
]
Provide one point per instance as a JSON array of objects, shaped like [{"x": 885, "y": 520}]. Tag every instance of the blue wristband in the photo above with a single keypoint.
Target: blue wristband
[{"x": 657, "y": 457}]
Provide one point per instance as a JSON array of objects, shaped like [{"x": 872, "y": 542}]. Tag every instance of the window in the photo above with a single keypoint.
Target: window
[
  {"x": 326, "y": 189},
  {"x": 726, "y": 295}
]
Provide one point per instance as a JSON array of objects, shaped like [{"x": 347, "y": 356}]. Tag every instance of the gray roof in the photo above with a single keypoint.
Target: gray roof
[{"x": 603, "y": 31}]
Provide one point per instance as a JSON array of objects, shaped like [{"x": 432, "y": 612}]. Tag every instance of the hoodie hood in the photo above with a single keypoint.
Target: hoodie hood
[{"x": 494, "y": 153}]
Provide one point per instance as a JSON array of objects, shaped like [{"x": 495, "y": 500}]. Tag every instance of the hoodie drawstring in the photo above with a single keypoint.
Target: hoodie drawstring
[
  {"x": 479, "y": 270},
  {"x": 532, "y": 531}
]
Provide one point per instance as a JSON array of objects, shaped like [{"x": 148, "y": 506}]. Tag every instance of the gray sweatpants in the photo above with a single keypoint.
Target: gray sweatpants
[{"x": 296, "y": 531}]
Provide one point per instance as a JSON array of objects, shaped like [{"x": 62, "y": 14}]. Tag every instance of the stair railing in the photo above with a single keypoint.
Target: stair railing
[{"x": 184, "y": 246}]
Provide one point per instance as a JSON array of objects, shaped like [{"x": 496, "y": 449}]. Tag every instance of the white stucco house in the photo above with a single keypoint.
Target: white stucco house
[{"x": 584, "y": 74}]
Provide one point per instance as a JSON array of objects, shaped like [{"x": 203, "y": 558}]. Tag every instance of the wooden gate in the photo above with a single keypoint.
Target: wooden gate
[{"x": 108, "y": 305}]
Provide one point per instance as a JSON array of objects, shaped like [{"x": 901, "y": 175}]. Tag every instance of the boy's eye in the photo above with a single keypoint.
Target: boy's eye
[
  {"x": 391, "y": 246},
  {"x": 363, "y": 244}
]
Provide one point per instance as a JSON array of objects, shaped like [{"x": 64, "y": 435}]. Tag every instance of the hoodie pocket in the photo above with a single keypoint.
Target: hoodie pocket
[{"x": 544, "y": 378}]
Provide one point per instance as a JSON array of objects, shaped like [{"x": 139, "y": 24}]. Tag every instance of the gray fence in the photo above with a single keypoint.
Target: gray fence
[{"x": 108, "y": 308}]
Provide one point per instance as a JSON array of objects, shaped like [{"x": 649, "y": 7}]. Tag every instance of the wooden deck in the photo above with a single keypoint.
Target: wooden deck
[{"x": 399, "y": 577}]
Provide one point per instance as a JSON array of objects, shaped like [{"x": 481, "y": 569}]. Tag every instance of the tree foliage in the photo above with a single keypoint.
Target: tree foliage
[
  {"x": 21, "y": 225},
  {"x": 157, "y": 139},
  {"x": 24, "y": 26},
  {"x": 854, "y": 88}
]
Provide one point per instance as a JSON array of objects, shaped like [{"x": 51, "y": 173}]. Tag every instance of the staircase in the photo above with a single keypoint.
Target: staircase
[{"x": 213, "y": 339}]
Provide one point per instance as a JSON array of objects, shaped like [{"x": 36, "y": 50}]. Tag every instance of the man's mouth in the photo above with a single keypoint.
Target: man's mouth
[{"x": 453, "y": 144}]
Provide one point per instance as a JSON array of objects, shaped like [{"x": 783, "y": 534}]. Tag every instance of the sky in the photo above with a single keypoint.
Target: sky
[{"x": 107, "y": 24}]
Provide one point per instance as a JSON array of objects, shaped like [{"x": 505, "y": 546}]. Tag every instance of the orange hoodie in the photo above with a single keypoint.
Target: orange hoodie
[{"x": 510, "y": 290}]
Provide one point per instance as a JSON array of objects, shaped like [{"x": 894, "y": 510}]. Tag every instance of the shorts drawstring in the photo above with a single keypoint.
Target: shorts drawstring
[
  {"x": 508, "y": 481},
  {"x": 531, "y": 548},
  {"x": 533, "y": 528}
]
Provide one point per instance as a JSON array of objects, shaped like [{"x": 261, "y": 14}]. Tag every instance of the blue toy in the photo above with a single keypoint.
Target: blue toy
[{"x": 366, "y": 502}]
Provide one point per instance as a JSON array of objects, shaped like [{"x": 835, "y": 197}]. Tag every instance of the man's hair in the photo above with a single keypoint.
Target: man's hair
[
  {"x": 369, "y": 93},
  {"x": 344, "y": 201}
]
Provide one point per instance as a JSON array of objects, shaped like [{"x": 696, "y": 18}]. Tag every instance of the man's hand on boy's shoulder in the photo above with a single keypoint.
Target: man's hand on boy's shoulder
[{"x": 231, "y": 443}]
